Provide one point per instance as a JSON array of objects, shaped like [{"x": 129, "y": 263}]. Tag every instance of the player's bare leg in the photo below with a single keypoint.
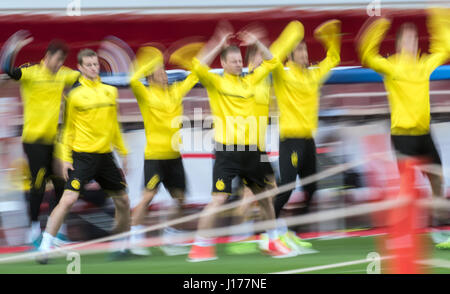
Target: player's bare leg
[
  {"x": 138, "y": 214},
  {"x": 137, "y": 221},
  {"x": 61, "y": 210},
  {"x": 204, "y": 248},
  {"x": 173, "y": 244},
  {"x": 55, "y": 221},
  {"x": 207, "y": 218},
  {"x": 122, "y": 214}
]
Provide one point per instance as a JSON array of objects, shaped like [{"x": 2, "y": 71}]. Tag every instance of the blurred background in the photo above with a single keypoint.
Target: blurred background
[{"x": 353, "y": 117}]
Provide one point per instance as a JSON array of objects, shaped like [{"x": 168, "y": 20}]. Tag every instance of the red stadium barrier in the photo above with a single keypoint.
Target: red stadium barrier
[{"x": 137, "y": 29}]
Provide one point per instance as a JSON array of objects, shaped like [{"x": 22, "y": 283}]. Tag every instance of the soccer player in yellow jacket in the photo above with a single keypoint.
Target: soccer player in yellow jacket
[
  {"x": 41, "y": 88},
  {"x": 91, "y": 131},
  {"x": 298, "y": 91},
  {"x": 161, "y": 107},
  {"x": 232, "y": 101},
  {"x": 262, "y": 92},
  {"x": 406, "y": 77}
]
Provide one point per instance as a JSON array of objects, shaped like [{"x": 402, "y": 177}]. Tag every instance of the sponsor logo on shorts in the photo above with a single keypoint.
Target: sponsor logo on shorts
[
  {"x": 220, "y": 185},
  {"x": 153, "y": 182},
  {"x": 267, "y": 182},
  {"x": 294, "y": 159},
  {"x": 40, "y": 178},
  {"x": 75, "y": 184}
]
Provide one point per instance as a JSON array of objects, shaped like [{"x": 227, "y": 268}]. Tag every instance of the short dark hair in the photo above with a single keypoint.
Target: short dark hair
[
  {"x": 402, "y": 28},
  {"x": 57, "y": 45},
  {"x": 85, "y": 53},
  {"x": 227, "y": 50}
]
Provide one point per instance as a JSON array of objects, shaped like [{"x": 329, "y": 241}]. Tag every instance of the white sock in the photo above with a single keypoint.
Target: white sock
[
  {"x": 171, "y": 235},
  {"x": 136, "y": 237},
  {"x": 63, "y": 230},
  {"x": 281, "y": 227},
  {"x": 273, "y": 234},
  {"x": 47, "y": 241},
  {"x": 123, "y": 244},
  {"x": 35, "y": 231},
  {"x": 203, "y": 242},
  {"x": 171, "y": 231}
]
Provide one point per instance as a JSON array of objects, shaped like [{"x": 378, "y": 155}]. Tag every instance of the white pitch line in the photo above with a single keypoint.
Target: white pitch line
[
  {"x": 328, "y": 266},
  {"x": 435, "y": 262},
  {"x": 442, "y": 263}
]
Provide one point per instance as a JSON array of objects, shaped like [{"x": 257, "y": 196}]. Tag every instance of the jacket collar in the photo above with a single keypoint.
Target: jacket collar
[
  {"x": 86, "y": 82},
  {"x": 45, "y": 68}
]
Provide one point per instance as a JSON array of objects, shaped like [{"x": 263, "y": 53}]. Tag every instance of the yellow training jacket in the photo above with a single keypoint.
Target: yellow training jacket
[
  {"x": 406, "y": 78},
  {"x": 261, "y": 110},
  {"x": 297, "y": 91},
  {"x": 41, "y": 97},
  {"x": 91, "y": 120},
  {"x": 161, "y": 110},
  {"x": 232, "y": 101}
]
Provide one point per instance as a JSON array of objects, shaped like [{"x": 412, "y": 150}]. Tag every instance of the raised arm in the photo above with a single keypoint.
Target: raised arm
[
  {"x": 216, "y": 44},
  {"x": 183, "y": 57},
  {"x": 269, "y": 62},
  {"x": 200, "y": 63},
  {"x": 438, "y": 23},
  {"x": 180, "y": 89},
  {"x": 292, "y": 34},
  {"x": 329, "y": 35},
  {"x": 149, "y": 59},
  {"x": 12, "y": 46},
  {"x": 368, "y": 45},
  {"x": 250, "y": 38}
]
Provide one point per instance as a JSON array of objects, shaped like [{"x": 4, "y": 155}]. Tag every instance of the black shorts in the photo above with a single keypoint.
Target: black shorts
[
  {"x": 168, "y": 171},
  {"x": 266, "y": 166},
  {"x": 230, "y": 164},
  {"x": 40, "y": 160},
  {"x": 420, "y": 146},
  {"x": 100, "y": 167},
  {"x": 297, "y": 157}
]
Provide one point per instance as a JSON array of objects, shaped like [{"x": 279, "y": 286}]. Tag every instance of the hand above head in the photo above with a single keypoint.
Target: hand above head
[
  {"x": 216, "y": 43},
  {"x": 251, "y": 37},
  {"x": 251, "y": 34},
  {"x": 247, "y": 38},
  {"x": 223, "y": 33}
]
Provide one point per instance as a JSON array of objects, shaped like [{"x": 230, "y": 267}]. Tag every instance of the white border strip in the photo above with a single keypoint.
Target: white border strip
[{"x": 328, "y": 266}]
